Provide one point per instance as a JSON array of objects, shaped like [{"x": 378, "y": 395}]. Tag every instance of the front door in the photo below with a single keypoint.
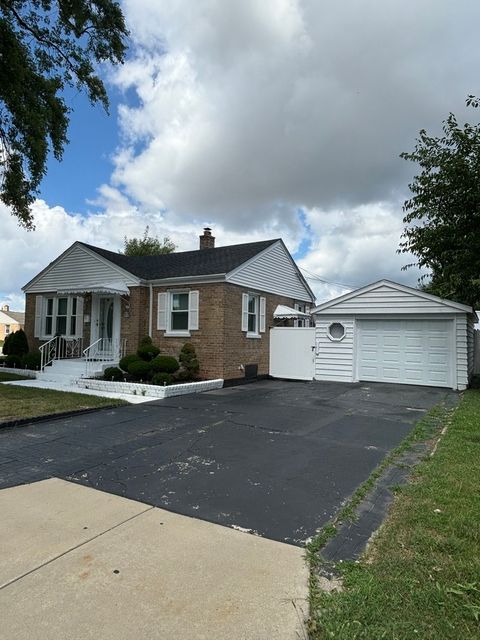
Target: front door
[{"x": 106, "y": 324}]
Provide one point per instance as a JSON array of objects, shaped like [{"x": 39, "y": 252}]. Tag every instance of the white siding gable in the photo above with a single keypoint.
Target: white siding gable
[
  {"x": 78, "y": 267},
  {"x": 388, "y": 299},
  {"x": 272, "y": 271}
]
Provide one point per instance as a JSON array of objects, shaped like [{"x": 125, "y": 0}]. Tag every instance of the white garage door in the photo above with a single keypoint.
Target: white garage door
[{"x": 406, "y": 351}]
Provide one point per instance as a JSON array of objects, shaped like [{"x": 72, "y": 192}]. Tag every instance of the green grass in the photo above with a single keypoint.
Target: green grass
[
  {"x": 7, "y": 377},
  {"x": 420, "y": 578},
  {"x": 18, "y": 402}
]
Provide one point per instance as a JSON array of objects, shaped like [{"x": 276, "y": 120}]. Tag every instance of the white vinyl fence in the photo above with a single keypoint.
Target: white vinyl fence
[{"x": 292, "y": 352}]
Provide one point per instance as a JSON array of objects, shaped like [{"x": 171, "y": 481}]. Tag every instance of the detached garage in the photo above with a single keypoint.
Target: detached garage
[{"x": 386, "y": 332}]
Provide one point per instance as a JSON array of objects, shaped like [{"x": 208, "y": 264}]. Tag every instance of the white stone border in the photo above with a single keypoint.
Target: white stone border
[
  {"x": 28, "y": 373},
  {"x": 151, "y": 390}
]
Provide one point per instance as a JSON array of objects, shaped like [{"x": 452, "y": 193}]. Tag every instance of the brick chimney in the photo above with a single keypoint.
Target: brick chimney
[{"x": 207, "y": 241}]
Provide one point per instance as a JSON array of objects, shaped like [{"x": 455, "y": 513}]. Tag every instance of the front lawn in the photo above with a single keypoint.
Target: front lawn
[
  {"x": 420, "y": 578},
  {"x": 18, "y": 402},
  {"x": 6, "y": 377}
]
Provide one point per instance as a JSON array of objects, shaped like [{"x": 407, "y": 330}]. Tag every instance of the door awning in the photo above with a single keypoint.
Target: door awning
[
  {"x": 284, "y": 312},
  {"x": 115, "y": 288}
]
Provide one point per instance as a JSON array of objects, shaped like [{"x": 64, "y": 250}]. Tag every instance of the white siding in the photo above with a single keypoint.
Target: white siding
[
  {"x": 334, "y": 360},
  {"x": 470, "y": 346},
  {"x": 76, "y": 268},
  {"x": 272, "y": 271},
  {"x": 387, "y": 300}
]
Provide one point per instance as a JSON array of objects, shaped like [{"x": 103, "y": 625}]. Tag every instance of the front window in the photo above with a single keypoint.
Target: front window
[
  {"x": 302, "y": 322},
  {"x": 179, "y": 312},
  {"x": 7, "y": 329},
  {"x": 252, "y": 314},
  {"x": 60, "y": 316}
]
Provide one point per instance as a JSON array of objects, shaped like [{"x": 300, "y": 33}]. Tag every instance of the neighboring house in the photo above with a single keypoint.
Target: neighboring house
[
  {"x": 387, "y": 332},
  {"x": 10, "y": 321},
  {"x": 220, "y": 299}
]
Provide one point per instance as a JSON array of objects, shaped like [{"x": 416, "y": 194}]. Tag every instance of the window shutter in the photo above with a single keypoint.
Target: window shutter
[
  {"x": 193, "y": 300},
  {"x": 244, "y": 311},
  {"x": 162, "y": 312},
  {"x": 79, "y": 323},
  {"x": 263, "y": 305},
  {"x": 38, "y": 316}
]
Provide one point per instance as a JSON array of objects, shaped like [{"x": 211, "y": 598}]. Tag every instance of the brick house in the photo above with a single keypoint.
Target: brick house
[
  {"x": 220, "y": 299},
  {"x": 10, "y": 321}
]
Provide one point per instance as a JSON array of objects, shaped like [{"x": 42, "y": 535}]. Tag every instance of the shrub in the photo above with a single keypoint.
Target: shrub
[
  {"x": 162, "y": 379},
  {"x": 13, "y": 361},
  {"x": 16, "y": 344},
  {"x": 189, "y": 362},
  {"x": 147, "y": 352},
  {"x": 165, "y": 364},
  {"x": 140, "y": 370},
  {"x": 145, "y": 340},
  {"x": 126, "y": 361},
  {"x": 113, "y": 373},
  {"x": 32, "y": 361}
]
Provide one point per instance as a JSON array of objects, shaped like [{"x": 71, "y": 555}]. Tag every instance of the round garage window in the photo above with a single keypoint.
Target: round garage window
[{"x": 336, "y": 331}]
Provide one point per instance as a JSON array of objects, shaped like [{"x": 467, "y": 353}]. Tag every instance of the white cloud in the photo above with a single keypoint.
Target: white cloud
[{"x": 248, "y": 112}]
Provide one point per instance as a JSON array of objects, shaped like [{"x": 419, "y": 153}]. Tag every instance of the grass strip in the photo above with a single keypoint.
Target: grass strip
[
  {"x": 18, "y": 402},
  {"x": 420, "y": 577}
]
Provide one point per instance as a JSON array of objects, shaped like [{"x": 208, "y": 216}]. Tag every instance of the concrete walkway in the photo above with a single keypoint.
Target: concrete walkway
[{"x": 78, "y": 563}]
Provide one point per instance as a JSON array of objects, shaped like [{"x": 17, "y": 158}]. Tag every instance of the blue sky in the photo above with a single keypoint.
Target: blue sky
[{"x": 283, "y": 118}]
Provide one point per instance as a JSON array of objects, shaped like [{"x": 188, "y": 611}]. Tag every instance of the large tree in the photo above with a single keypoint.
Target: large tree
[
  {"x": 45, "y": 47},
  {"x": 443, "y": 214},
  {"x": 148, "y": 245}
]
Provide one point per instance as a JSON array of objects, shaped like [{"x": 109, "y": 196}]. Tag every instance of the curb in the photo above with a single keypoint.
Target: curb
[{"x": 23, "y": 422}]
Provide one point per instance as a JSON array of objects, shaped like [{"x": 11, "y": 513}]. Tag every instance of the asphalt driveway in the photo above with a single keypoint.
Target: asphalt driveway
[{"x": 278, "y": 458}]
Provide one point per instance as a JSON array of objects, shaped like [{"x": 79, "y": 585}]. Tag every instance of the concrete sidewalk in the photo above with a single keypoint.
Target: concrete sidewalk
[{"x": 78, "y": 563}]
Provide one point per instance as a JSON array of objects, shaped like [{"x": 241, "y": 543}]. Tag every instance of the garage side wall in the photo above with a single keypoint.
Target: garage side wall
[{"x": 334, "y": 359}]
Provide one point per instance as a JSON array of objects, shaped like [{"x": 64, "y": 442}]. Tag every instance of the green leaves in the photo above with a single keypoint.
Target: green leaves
[
  {"x": 443, "y": 214},
  {"x": 45, "y": 46},
  {"x": 148, "y": 246}
]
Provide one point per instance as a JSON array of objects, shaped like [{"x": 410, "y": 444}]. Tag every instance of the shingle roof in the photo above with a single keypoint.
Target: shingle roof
[{"x": 185, "y": 263}]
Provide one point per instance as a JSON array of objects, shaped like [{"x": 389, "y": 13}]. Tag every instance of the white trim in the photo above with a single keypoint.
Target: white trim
[
  {"x": 205, "y": 279},
  {"x": 177, "y": 334},
  {"x": 39, "y": 305},
  {"x": 193, "y": 310},
  {"x": 162, "y": 311},
  {"x": 150, "y": 311},
  {"x": 244, "y": 311},
  {"x": 394, "y": 285},
  {"x": 262, "y": 314}
]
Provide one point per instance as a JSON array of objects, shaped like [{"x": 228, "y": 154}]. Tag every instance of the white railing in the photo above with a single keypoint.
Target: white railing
[
  {"x": 103, "y": 350},
  {"x": 59, "y": 348}
]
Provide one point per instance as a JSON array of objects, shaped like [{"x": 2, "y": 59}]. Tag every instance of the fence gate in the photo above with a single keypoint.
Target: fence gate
[{"x": 292, "y": 352}]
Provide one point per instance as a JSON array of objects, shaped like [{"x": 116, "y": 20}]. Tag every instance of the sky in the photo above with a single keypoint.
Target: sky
[{"x": 280, "y": 118}]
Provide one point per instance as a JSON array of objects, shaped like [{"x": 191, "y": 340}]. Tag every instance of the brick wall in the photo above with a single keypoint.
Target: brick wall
[{"x": 240, "y": 350}]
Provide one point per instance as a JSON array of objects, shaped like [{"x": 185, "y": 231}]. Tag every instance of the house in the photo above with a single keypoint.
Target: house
[
  {"x": 10, "y": 321},
  {"x": 388, "y": 332},
  {"x": 220, "y": 299}
]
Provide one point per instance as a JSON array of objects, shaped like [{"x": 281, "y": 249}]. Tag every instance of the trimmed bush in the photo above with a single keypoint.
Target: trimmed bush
[
  {"x": 165, "y": 364},
  {"x": 145, "y": 340},
  {"x": 13, "y": 361},
  {"x": 147, "y": 352},
  {"x": 16, "y": 344},
  {"x": 189, "y": 361},
  {"x": 162, "y": 379},
  {"x": 126, "y": 361},
  {"x": 140, "y": 370},
  {"x": 32, "y": 361},
  {"x": 113, "y": 373}
]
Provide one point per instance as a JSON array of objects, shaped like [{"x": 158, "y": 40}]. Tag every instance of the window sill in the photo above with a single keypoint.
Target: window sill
[
  {"x": 177, "y": 334},
  {"x": 254, "y": 335}
]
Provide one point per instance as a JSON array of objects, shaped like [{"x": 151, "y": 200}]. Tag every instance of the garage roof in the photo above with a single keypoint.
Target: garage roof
[{"x": 386, "y": 296}]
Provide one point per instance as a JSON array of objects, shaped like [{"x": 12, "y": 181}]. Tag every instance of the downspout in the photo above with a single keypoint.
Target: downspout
[{"x": 150, "y": 311}]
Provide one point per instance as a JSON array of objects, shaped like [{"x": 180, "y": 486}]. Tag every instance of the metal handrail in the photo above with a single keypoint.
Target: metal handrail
[
  {"x": 103, "y": 350},
  {"x": 59, "y": 347},
  {"x": 43, "y": 348}
]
